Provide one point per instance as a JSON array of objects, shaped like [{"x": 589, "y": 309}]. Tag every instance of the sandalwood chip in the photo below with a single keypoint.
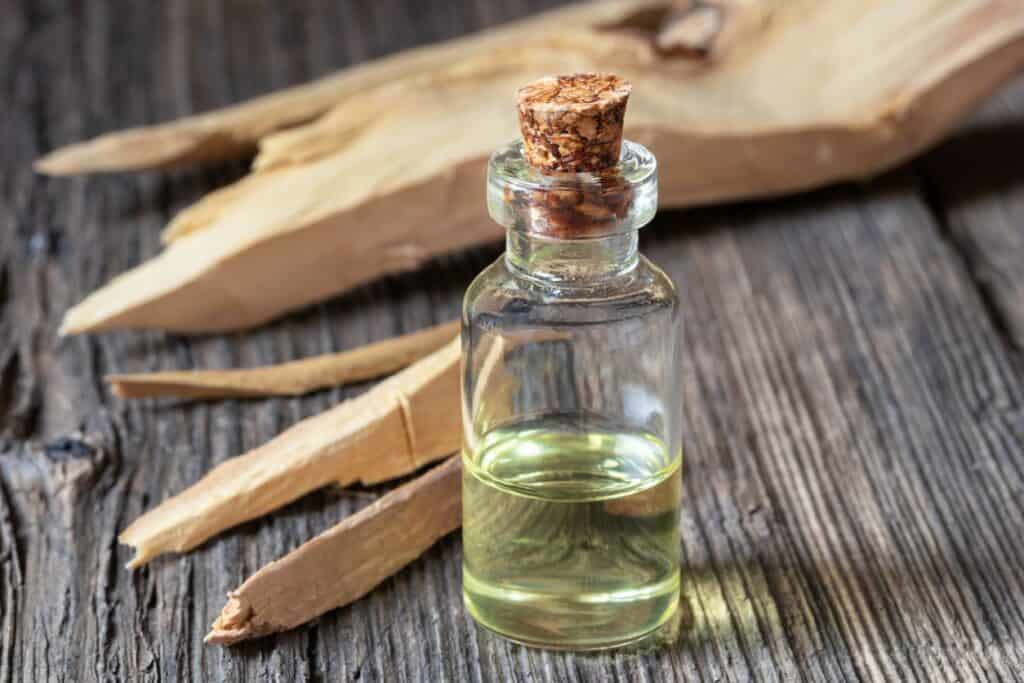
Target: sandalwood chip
[
  {"x": 288, "y": 379},
  {"x": 573, "y": 124},
  {"x": 347, "y": 561}
]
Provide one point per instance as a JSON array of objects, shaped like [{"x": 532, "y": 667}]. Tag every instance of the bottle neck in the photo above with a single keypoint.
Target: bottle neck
[
  {"x": 597, "y": 261},
  {"x": 572, "y": 230}
]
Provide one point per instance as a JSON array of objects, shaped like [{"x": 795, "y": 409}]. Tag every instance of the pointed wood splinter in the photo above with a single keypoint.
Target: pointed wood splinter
[
  {"x": 347, "y": 561},
  {"x": 288, "y": 379}
]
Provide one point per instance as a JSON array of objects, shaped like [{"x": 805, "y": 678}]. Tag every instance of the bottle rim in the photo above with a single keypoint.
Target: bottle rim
[{"x": 620, "y": 199}]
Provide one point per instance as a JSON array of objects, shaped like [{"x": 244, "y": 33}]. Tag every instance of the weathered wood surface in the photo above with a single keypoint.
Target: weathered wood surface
[{"x": 854, "y": 393}]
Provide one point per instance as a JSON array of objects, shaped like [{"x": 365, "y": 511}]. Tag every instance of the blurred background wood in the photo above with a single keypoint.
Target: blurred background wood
[{"x": 854, "y": 392}]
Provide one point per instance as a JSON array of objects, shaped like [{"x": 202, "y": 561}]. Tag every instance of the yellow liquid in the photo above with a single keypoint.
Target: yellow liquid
[{"x": 571, "y": 540}]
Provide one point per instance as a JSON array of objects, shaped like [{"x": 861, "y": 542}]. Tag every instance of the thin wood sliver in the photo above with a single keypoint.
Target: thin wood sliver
[{"x": 292, "y": 378}]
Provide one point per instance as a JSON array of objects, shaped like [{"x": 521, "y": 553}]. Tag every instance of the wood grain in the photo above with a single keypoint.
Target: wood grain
[{"x": 854, "y": 398}]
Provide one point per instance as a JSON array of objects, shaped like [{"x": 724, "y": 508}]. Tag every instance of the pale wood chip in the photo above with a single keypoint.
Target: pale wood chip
[
  {"x": 289, "y": 379},
  {"x": 347, "y": 561}
]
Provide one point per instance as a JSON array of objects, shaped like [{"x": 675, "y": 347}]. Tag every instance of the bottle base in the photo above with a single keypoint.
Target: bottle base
[{"x": 586, "y": 622}]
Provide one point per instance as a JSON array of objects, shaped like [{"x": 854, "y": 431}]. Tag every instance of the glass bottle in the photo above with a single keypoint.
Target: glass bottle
[{"x": 571, "y": 411}]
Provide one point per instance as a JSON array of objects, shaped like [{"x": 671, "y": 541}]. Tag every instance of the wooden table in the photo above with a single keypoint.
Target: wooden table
[{"x": 853, "y": 382}]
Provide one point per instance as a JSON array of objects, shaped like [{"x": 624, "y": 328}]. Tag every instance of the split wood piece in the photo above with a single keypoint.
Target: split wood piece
[
  {"x": 750, "y": 113},
  {"x": 289, "y": 379},
  {"x": 322, "y": 227},
  {"x": 411, "y": 419},
  {"x": 347, "y": 561},
  {"x": 236, "y": 130}
]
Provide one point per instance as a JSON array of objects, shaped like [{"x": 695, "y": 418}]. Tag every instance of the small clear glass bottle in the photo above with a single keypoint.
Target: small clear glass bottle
[{"x": 571, "y": 410}]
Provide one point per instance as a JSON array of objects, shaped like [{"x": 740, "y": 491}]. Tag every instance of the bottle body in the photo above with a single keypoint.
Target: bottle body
[{"x": 571, "y": 449}]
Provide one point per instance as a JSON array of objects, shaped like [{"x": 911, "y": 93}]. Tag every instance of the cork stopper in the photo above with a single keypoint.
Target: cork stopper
[{"x": 573, "y": 124}]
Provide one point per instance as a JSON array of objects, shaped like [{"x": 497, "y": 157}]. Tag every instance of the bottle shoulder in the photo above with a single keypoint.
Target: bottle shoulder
[{"x": 499, "y": 290}]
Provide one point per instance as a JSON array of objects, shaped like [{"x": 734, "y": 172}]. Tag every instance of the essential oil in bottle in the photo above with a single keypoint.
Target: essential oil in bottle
[{"x": 571, "y": 455}]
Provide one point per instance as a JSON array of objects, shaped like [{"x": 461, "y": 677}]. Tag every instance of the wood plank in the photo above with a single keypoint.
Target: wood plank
[
  {"x": 855, "y": 417},
  {"x": 976, "y": 185},
  {"x": 846, "y": 364}
]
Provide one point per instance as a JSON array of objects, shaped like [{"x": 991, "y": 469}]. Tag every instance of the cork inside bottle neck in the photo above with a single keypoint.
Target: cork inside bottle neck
[{"x": 572, "y": 206}]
